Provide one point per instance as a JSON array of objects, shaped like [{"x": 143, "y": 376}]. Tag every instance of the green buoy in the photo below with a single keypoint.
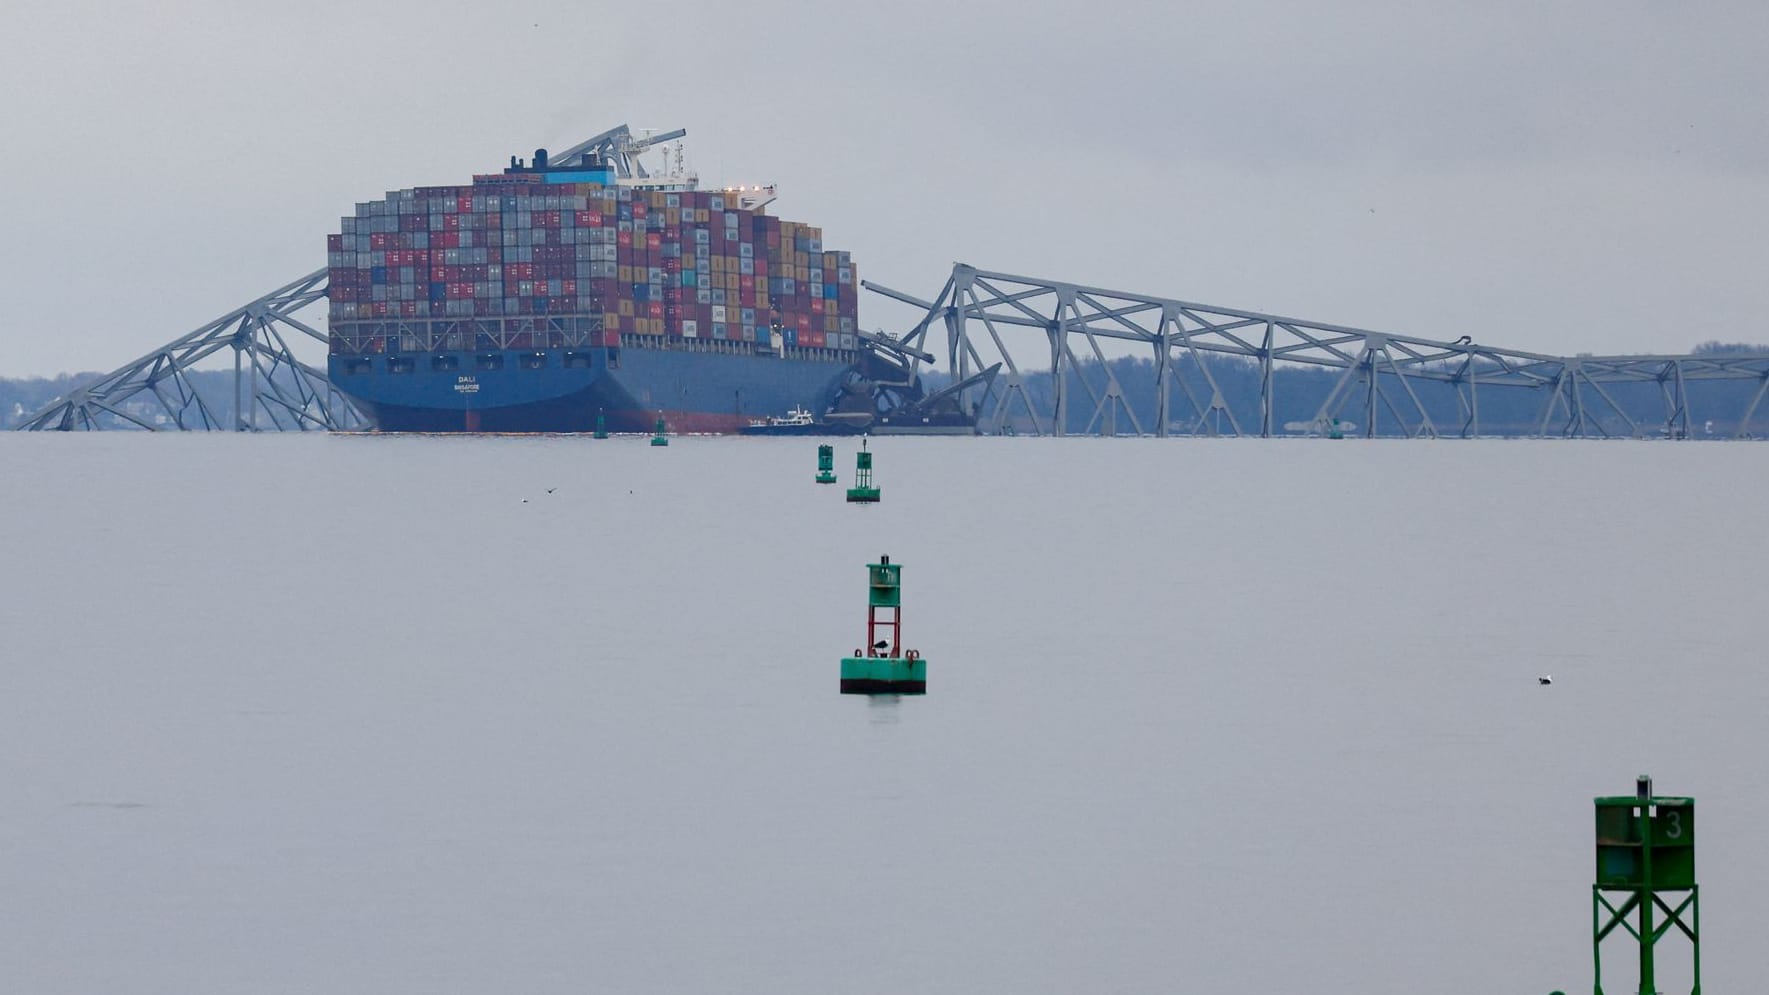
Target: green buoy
[
  {"x": 1645, "y": 865},
  {"x": 882, "y": 666},
  {"x": 601, "y": 426},
  {"x": 826, "y": 464},
  {"x": 863, "y": 492},
  {"x": 659, "y": 439}
]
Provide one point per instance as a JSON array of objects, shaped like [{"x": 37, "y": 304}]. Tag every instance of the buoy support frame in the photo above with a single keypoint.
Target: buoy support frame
[
  {"x": 863, "y": 491},
  {"x": 882, "y": 666}
]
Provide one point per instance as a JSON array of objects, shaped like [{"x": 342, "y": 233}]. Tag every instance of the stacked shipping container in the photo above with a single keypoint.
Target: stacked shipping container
[{"x": 515, "y": 262}]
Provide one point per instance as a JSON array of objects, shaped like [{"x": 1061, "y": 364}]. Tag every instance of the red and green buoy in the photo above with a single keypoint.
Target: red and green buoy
[
  {"x": 882, "y": 666},
  {"x": 863, "y": 492}
]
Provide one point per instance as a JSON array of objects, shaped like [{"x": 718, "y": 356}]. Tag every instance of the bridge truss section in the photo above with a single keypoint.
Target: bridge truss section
[
  {"x": 1380, "y": 382},
  {"x": 273, "y": 389}
]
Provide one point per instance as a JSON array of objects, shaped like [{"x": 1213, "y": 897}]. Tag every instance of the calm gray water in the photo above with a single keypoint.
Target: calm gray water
[{"x": 310, "y": 714}]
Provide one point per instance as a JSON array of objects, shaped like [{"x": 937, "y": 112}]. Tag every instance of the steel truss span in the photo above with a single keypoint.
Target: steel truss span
[
  {"x": 1380, "y": 381},
  {"x": 1378, "y": 388},
  {"x": 272, "y": 388}
]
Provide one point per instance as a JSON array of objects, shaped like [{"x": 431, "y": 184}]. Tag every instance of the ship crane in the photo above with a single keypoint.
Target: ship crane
[{"x": 619, "y": 148}]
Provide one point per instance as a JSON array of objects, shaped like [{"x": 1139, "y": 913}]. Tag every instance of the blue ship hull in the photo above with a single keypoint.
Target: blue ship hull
[{"x": 563, "y": 390}]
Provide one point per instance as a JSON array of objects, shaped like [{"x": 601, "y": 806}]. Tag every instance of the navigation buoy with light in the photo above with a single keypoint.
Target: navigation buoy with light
[
  {"x": 826, "y": 464},
  {"x": 1645, "y": 890},
  {"x": 659, "y": 438},
  {"x": 601, "y": 426},
  {"x": 863, "y": 492},
  {"x": 882, "y": 666}
]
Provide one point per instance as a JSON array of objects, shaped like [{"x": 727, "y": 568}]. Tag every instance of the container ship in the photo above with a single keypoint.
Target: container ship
[{"x": 569, "y": 289}]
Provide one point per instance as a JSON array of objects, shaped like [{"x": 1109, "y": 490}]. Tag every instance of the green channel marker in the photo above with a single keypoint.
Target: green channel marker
[
  {"x": 601, "y": 426},
  {"x": 882, "y": 666},
  {"x": 826, "y": 464},
  {"x": 1645, "y": 865},
  {"x": 660, "y": 439},
  {"x": 863, "y": 492}
]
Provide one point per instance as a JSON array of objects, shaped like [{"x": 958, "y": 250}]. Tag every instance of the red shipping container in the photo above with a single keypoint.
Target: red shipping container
[
  {"x": 334, "y": 243},
  {"x": 464, "y": 204},
  {"x": 653, "y": 242},
  {"x": 624, "y": 239}
]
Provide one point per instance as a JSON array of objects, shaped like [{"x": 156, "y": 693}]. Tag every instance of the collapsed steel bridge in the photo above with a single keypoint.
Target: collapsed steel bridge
[
  {"x": 986, "y": 316},
  {"x": 273, "y": 389}
]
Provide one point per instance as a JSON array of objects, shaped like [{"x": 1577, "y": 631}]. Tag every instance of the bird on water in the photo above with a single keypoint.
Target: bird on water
[{"x": 1545, "y": 679}]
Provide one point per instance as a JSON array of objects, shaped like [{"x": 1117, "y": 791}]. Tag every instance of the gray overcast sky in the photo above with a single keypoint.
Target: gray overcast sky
[{"x": 1579, "y": 176}]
